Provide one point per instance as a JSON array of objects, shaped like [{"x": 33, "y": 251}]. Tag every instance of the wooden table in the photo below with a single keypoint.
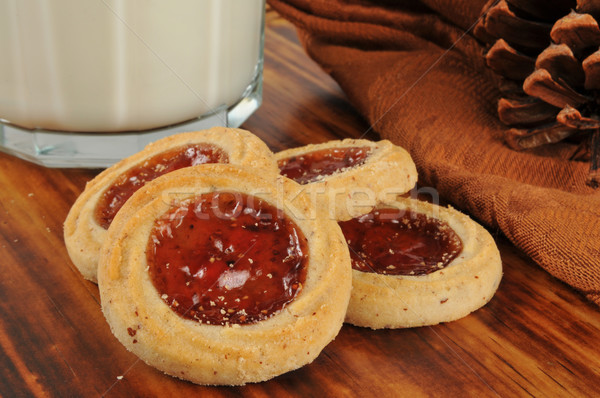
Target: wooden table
[{"x": 537, "y": 337}]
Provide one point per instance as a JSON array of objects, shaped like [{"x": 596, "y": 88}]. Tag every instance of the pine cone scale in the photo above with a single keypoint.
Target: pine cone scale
[
  {"x": 591, "y": 67},
  {"x": 525, "y": 111},
  {"x": 578, "y": 31},
  {"x": 518, "y": 32},
  {"x": 540, "y": 84},
  {"x": 571, "y": 117},
  {"x": 519, "y": 139},
  {"x": 506, "y": 61},
  {"x": 559, "y": 61},
  {"x": 588, "y": 6}
]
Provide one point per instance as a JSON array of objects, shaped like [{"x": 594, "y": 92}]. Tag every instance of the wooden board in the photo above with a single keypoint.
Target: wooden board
[{"x": 537, "y": 337}]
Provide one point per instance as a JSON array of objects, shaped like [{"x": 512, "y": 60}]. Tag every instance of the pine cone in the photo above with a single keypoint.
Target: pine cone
[{"x": 546, "y": 53}]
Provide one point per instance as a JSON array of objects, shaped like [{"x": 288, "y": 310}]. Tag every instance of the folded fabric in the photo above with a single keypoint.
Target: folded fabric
[{"x": 416, "y": 73}]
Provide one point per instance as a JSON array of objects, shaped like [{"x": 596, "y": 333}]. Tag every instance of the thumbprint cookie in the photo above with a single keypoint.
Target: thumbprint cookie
[
  {"x": 416, "y": 264},
  {"x": 220, "y": 276},
  {"x": 351, "y": 175},
  {"x": 92, "y": 213}
]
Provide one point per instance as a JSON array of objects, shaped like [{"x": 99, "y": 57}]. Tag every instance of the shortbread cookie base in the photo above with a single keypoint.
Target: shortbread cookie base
[
  {"x": 387, "y": 172},
  {"x": 211, "y": 354},
  {"x": 84, "y": 236},
  {"x": 466, "y": 284}
]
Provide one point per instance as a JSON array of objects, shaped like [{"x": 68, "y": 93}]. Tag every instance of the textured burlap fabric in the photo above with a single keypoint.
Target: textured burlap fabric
[{"x": 417, "y": 75}]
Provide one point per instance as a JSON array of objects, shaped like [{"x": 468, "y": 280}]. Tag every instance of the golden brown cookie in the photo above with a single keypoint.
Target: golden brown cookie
[
  {"x": 92, "y": 213},
  {"x": 351, "y": 175},
  {"x": 416, "y": 264},
  {"x": 217, "y": 275}
]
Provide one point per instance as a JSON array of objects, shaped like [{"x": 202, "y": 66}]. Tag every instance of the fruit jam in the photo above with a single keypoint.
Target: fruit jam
[
  {"x": 310, "y": 166},
  {"x": 115, "y": 196},
  {"x": 400, "y": 242},
  {"x": 226, "y": 258}
]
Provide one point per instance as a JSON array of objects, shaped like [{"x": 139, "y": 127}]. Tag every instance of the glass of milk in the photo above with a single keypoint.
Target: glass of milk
[{"x": 84, "y": 83}]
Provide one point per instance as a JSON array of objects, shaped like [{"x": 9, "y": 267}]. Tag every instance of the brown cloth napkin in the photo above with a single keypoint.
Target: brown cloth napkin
[{"x": 416, "y": 73}]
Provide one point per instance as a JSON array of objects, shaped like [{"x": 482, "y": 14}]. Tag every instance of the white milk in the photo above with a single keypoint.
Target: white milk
[{"x": 119, "y": 65}]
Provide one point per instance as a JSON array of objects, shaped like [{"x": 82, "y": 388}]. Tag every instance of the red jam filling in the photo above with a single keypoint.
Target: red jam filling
[
  {"x": 133, "y": 179},
  {"x": 226, "y": 258},
  {"x": 310, "y": 166},
  {"x": 400, "y": 242}
]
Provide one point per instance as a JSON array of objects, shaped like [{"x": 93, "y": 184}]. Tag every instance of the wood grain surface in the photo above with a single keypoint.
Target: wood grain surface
[{"x": 536, "y": 337}]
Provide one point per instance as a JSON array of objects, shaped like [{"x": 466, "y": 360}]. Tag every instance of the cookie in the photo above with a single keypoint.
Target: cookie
[
  {"x": 351, "y": 175},
  {"x": 416, "y": 264},
  {"x": 92, "y": 213},
  {"x": 218, "y": 275}
]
